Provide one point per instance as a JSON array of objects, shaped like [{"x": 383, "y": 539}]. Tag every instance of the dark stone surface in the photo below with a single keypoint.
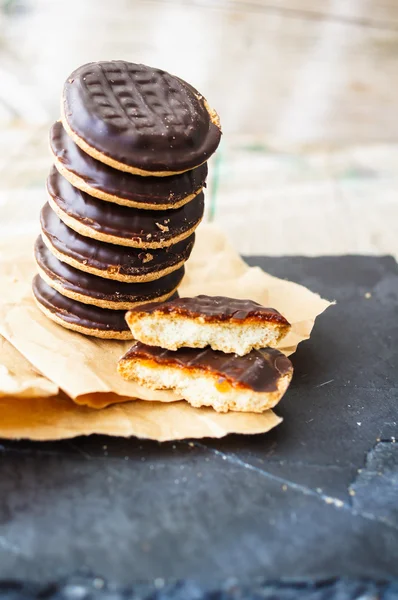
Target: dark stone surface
[
  {"x": 287, "y": 504},
  {"x": 78, "y": 588}
]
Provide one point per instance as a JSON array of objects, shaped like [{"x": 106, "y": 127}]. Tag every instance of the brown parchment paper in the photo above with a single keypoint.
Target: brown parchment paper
[
  {"x": 85, "y": 368},
  {"x": 18, "y": 378},
  {"x": 58, "y": 417},
  {"x": 35, "y": 412}
]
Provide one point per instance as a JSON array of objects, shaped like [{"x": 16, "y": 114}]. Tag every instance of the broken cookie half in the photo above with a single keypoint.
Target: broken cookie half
[
  {"x": 226, "y": 324},
  {"x": 252, "y": 383}
]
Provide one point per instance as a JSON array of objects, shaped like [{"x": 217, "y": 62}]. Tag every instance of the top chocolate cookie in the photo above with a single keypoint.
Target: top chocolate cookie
[{"x": 138, "y": 119}]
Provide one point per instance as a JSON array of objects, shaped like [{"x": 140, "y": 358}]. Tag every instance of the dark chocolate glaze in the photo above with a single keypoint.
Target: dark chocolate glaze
[
  {"x": 93, "y": 286},
  {"x": 215, "y": 308},
  {"x": 146, "y": 190},
  {"x": 139, "y": 116},
  {"x": 123, "y": 222},
  {"x": 109, "y": 257},
  {"x": 77, "y": 313},
  {"x": 259, "y": 370}
]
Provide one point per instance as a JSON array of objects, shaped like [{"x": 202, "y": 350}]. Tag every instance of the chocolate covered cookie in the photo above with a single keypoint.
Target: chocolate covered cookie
[
  {"x": 251, "y": 383},
  {"x": 105, "y": 293},
  {"x": 83, "y": 318},
  {"x": 121, "y": 225},
  {"x": 120, "y": 263},
  {"x": 225, "y": 324},
  {"x": 104, "y": 182},
  {"x": 138, "y": 119}
]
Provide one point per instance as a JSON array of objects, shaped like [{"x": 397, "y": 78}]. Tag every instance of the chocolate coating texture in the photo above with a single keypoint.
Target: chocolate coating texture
[
  {"x": 104, "y": 257},
  {"x": 140, "y": 116},
  {"x": 101, "y": 177},
  {"x": 93, "y": 286},
  {"x": 260, "y": 370},
  {"x": 121, "y": 221},
  {"x": 215, "y": 308},
  {"x": 77, "y": 313}
]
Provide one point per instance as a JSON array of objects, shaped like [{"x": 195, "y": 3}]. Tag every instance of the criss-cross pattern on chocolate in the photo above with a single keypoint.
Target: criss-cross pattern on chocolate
[
  {"x": 137, "y": 118},
  {"x": 126, "y": 94}
]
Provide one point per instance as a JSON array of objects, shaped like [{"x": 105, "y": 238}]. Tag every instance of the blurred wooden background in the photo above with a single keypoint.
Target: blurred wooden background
[{"x": 305, "y": 90}]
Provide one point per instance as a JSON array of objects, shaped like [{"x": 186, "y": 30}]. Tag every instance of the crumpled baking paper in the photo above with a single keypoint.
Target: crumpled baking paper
[
  {"x": 84, "y": 368},
  {"x": 58, "y": 417}
]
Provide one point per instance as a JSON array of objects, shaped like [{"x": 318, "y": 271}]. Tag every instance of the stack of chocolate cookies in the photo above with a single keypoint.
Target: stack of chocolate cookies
[{"x": 125, "y": 194}]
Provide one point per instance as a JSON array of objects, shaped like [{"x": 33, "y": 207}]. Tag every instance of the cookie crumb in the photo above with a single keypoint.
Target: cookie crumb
[
  {"x": 145, "y": 257},
  {"x": 162, "y": 227}
]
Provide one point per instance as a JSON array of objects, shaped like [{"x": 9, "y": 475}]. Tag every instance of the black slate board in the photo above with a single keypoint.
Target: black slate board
[
  {"x": 291, "y": 503},
  {"x": 78, "y": 588}
]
